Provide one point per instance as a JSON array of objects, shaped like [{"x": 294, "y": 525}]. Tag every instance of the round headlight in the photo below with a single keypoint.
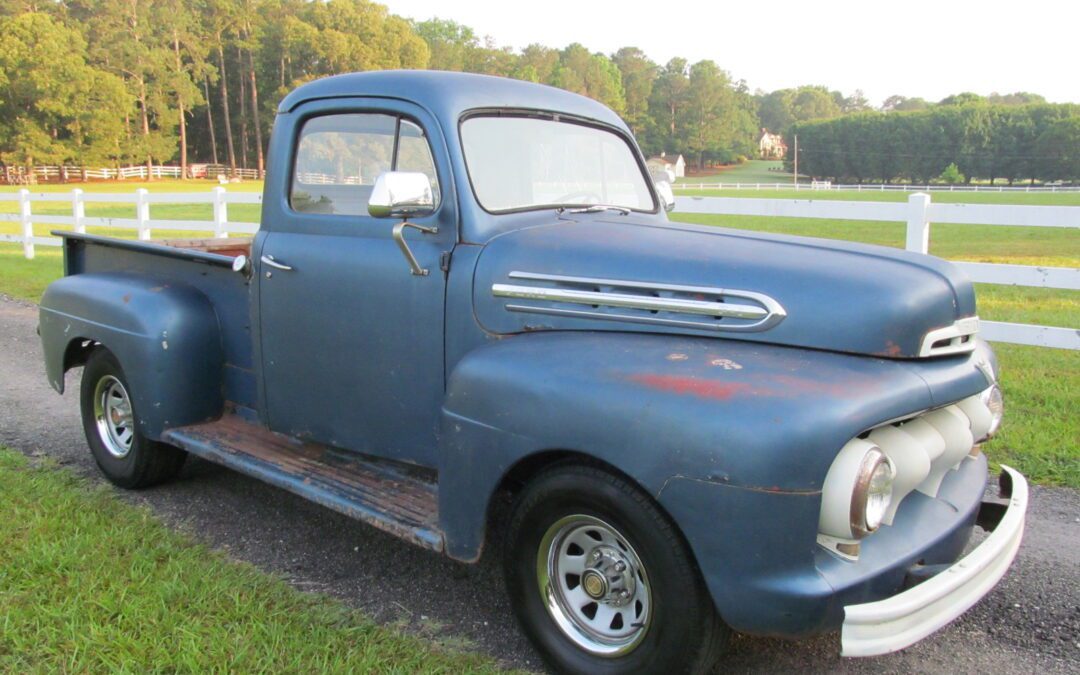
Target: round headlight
[
  {"x": 995, "y": 401},
  {"x": 873, "y": 492}
]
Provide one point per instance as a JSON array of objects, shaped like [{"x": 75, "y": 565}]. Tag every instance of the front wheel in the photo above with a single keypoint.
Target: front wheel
[
  {"x": 601, "y": 581},
  {"x": 126, "y": 457}
]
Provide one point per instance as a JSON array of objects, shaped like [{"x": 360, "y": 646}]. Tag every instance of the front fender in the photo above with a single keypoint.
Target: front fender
[
  {"x": 165, "y": 336},
  {"x": 733, "y": 413}
]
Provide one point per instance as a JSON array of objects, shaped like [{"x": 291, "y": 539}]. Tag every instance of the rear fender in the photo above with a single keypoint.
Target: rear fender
[{"x": 165, "y": 336}]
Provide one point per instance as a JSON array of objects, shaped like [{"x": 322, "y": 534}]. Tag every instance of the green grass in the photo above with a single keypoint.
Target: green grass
[
  {"x": 753, "y": 171},
  {"x": 977, "y": 243},
  {"x": 1028, "y": 198},
  {"x": 1041, "y": 433},
  {"x": 26, "y": 279},
  {"x": 89, "y": 583}
]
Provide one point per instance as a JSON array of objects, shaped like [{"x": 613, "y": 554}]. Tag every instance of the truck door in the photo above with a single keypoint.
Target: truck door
[{"x": 350, "y": 341}]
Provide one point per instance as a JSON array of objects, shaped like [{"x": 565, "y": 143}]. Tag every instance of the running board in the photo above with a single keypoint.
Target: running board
[{"x": 391, "y": 496}]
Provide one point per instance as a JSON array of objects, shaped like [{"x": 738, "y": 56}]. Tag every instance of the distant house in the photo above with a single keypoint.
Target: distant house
[
  {"x": 673, "y": 165},
  {"x": 771, "y": 146}
]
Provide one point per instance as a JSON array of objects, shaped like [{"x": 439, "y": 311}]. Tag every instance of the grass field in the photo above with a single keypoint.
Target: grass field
[
  {"x": 753, "y": 171},
  {"x": 1042, "y": 434},
  {"x": 1028, "y": 198},
  {"x": 91, "y": 584}
]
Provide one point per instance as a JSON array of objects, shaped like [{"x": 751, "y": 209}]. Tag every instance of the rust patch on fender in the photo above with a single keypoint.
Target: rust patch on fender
[
  {"x": 692, "y": 386},
  {"x": 775, "y": 385},
  {"x": 891, "y": 349}
]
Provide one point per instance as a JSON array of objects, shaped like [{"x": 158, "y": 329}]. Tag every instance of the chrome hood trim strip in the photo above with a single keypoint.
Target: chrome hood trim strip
[{"x": 762, "y": 311}]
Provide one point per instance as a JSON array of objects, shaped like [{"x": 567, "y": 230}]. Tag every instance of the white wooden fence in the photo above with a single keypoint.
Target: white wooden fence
[
  {"x": 825, "y": 185},
  {"x": 918, "y": 212},
  {"x": 142, "y": 223},
  {"x": 22, "y": 175}
]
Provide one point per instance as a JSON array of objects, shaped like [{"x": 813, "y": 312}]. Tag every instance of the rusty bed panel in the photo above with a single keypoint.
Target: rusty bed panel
[
  {"x": 390, "y": 496},
  {"x": 231, "y": 247}
]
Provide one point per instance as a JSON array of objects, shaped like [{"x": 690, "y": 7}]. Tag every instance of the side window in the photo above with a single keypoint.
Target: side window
[
  {"x": 339, "y": 157},
  {"x": 414, "y": 154}
]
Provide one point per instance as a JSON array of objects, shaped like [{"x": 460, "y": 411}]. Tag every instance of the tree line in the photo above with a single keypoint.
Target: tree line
[
  {"x": 121, "y": 82},
  {"x": 964, "y": 139}
]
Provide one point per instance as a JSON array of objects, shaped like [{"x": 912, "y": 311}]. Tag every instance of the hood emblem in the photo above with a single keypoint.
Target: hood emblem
[
  {"x": 959, "y": 338},
  {"x": 698, "y": 307}
]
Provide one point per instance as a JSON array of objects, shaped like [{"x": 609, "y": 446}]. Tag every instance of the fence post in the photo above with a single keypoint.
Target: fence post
[
  {"x": 918, "y": 228},
  {"x": 27, "y": 226},
  {"x": 78, "y": 210},
  {"x": 221, "y": 213},
  {"x": 142, "y": 213}
]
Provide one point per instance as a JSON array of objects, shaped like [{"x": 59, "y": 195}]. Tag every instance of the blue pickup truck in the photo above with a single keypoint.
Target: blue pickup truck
[{"x": 466, "y": 286}]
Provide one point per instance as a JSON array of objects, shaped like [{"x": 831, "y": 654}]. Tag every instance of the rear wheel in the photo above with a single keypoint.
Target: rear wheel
[
  {"x": 601, "y": 581},
  {"x": 124, "y": 455}
]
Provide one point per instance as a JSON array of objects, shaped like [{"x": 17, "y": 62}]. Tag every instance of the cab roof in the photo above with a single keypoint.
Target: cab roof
[{"x": 448, "y": 95}]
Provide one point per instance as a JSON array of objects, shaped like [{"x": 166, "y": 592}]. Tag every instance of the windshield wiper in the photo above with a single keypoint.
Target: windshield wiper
[{"x": 622, "y": 210}]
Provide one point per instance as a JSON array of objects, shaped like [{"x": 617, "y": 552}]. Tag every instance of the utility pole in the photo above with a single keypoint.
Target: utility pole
[{"x": 796, "y": 177}]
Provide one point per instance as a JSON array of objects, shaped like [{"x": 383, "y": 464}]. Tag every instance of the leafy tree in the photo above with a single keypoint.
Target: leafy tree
[
  {"x": 775, "y": 110},
  {"x": 593, "y": 75},
  {"x": 637, "y": 73},
  {"x": 962, "y": 99},
  {"x": 814, "y": 103},
  {"x": 951, "y": 175},
  {"x": 449, "y": 43},
  {"x": 537, "y": 63},
  {"x": 897, "y": 103},
  {"x": 1015, "y": 98},
  {"x": 667, "y": 104},
  {"x": 1059, "y": 150},
  {"x": 855, "y": 103},
  {"x": 709, "y": 103},
  {"x": 55, "y": 107}
]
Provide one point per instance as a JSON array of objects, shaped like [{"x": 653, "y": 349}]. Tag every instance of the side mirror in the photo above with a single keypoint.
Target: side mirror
[
  {"x": 667, "y": 195},
  {"x": 401, "y": 194}
]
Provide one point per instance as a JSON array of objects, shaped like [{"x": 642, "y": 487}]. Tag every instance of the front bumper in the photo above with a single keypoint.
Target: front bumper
[{"x": 897, "y": 622}]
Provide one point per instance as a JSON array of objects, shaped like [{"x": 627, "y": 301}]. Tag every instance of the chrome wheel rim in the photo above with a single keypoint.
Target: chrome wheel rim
[
  {"x": 113, "y": 417},
  {"x": 594, "y": 585}
]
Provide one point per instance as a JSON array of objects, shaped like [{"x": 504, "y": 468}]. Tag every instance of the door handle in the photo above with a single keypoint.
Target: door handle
[{"x": 269, "y": 260}]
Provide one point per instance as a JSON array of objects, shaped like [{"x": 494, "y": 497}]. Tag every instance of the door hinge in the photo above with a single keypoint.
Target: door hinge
[{"x": 444, "y": 261}]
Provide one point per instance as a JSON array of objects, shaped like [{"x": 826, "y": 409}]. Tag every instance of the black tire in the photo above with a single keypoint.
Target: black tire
[
  {"x": 684, "y": 634},
  {"x": 146, "y": 462}
]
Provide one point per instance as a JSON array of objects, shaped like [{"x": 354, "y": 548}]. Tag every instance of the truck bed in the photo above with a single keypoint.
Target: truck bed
[{"x": 204, "y": 264}]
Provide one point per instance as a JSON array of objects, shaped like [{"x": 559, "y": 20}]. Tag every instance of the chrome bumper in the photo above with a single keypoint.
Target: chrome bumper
[{"x": 892, "y": 624}]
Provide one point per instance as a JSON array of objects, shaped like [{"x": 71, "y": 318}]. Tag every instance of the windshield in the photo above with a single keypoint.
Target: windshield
[{"x": 518, "y": 163}]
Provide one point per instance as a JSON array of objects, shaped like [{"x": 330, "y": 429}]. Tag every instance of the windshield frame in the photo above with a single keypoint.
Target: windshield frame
[{"x": 563, "y": 118}]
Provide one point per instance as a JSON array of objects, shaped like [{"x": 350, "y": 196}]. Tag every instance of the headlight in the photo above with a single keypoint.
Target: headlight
[
  {"x": 857, "y": 491},
  {"x": 873, "y": 492},
  {"x": 993, "y": 399}
]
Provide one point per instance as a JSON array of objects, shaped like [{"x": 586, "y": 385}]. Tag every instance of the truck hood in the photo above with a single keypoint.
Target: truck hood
[{"x": 619, "y": 273}]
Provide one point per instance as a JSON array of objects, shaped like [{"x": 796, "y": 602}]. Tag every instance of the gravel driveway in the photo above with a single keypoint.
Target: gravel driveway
[{"x": 1029, "y": 623}]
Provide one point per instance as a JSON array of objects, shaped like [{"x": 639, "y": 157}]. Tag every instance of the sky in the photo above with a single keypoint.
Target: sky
[{"x": 907, "y": 47}]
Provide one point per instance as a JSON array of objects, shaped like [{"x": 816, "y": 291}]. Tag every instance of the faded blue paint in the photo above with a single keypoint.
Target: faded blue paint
[{"x": 732, "y": 434}]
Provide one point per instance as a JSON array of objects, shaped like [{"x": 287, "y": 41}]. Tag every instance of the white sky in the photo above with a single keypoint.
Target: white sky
[{"x": 910, "y": 47}]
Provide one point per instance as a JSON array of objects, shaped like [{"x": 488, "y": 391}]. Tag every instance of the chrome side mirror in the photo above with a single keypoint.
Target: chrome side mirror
[
  {"x": 666, "y": 194},
  {"x": 401, "y": 194}
]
